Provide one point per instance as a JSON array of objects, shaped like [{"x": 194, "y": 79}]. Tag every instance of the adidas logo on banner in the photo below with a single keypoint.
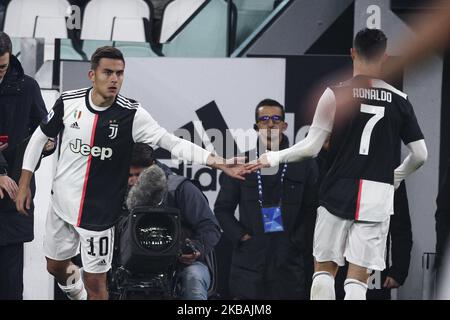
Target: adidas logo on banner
[{"x": 75, "y": 125}]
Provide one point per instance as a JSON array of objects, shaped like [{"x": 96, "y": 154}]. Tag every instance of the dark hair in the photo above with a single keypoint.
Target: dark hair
[
  {"x": 370, "y": 44},
  {"x": 105, "y": 52},
  {"x": 5, "y": 44},
  {"x": 142, "y": 155},
  {"x": 268, "y": 103}
]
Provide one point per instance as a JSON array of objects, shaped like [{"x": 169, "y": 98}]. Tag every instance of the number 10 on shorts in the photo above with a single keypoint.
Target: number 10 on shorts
[{"x": 102, "y": 248}]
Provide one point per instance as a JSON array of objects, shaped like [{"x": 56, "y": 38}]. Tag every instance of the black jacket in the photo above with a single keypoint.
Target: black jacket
[
  {"x": 197, "y": 220},
  {"x": 21, "y": 110},
  {"x": 270, "y": 265},
  {"x": 400, "y": 237}
]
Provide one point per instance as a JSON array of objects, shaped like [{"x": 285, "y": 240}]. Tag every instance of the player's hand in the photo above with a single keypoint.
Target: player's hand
[
  {"x": 233, "y": 167},
  {"x": 262, "y": 162},
  {"x": 3, "y": 146},
  {"x": 49, "y": 145},
  {"x": 9, "y": 185},
  {"x": 23, "y": 200},
  {"x": 390, "y": 283},
  {"x": 245, "y": 237},
  {"x": 236, "y": 171},
  {"x": 189, "y": 258}
]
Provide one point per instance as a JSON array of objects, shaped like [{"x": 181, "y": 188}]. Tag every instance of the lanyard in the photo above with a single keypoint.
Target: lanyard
[{"x": 260, "y": 188}]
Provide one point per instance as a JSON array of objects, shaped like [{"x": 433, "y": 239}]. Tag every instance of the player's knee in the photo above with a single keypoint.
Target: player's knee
[
  {"x": 322, "y": 287},
  {"x": 355, "y": 289},
  {"x": 56, "y": 268}
]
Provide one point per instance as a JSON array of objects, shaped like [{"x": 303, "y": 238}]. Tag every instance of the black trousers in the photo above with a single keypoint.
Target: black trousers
[{"x": 11, "y": 275}]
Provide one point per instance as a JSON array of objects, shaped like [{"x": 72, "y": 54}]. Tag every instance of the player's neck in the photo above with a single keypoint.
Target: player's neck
[
  {"x": 369, "y": 70},
  {"x": 101, "y": 101}
]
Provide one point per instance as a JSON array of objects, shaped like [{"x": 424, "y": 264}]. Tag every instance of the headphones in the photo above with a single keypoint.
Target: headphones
[{"x": 255, "y": 127}]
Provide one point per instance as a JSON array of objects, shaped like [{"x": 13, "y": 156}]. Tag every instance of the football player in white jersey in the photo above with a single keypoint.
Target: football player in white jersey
[
  {"x": 97, "y": 127},
  {"x": 363, "y": 119}
]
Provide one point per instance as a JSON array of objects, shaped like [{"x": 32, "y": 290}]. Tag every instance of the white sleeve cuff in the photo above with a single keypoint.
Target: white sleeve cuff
[
  {"x": 34, "y": 150},
  {"x": 273, "y": 158}
]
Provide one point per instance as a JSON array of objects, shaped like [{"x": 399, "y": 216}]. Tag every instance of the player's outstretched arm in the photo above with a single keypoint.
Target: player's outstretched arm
[
  {"x": 147, "y": 130},
  {"x": 305, "y": 149},
  {"x": 416, "y": 158}
]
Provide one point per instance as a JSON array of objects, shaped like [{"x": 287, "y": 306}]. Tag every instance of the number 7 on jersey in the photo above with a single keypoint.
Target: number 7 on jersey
[{"x": 378, "y": 114}]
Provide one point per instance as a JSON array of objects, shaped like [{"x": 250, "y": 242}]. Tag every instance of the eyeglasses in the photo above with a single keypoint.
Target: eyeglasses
[{"x": 275, "y": 119}]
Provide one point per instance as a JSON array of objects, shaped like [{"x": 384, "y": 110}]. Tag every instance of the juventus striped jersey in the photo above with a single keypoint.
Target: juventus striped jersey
[
  {"x": 95, "y": 151},
  {"x": 363, "y": 143}
]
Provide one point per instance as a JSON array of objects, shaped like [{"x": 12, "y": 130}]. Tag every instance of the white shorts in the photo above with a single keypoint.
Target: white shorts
[
  {"x": 359, "y": 242},
  {"x": 63, "y": 241}
]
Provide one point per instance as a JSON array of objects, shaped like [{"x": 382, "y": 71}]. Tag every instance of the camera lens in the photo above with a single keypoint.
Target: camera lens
[{"x": 155, "y": 233}]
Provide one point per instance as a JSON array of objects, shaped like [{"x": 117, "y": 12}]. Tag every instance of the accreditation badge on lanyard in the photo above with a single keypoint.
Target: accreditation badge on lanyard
[
  {"x": 272, "y": 219},
  {"x": 271, "y": 215}
]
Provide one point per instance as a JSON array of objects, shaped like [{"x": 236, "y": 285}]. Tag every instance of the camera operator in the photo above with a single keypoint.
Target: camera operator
[{"x": 153, "y": 184}]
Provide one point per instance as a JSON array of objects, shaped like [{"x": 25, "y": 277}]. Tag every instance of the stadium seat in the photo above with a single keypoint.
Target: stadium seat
[
  {"x": 22, "y": 15},
  {"x": 15, "y": 46},
  {"x": 250, "y": 14},
  {"x": 206, "y": 35},
  {"x": 106, "y": 19},
  {"x": 265, "y": 5},
  {"x": 84, "y": 51},
  {"x": 50, "y": 28},
  {"x": 135, "y": 49},
  {"x": 122, "y": 27},
  {"x": 175, "y": 14}
]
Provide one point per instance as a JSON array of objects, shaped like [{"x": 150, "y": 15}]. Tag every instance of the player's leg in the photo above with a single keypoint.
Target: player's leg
[
  {"x": 69, "y": 278},
  {"x": 61, "y": 243},
  {"x": 355, "y": 285},
  {"x": 322, "y": 287},
  {"x": 330, "y": 236},
  {"x": 365, "y": 252},
  {"x": 96, "y": 255},
  {"x": 96, "y": 286}
]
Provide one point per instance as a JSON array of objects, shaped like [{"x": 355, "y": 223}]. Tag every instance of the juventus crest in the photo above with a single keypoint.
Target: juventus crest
[{"x": 114, "y": 127}]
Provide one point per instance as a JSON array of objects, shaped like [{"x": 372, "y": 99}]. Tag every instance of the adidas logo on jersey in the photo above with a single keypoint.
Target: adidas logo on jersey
[
  {"x": 86, "y": 150},
  {"x": 75, "y": 125},
  {"x": 102, "y": 262}
]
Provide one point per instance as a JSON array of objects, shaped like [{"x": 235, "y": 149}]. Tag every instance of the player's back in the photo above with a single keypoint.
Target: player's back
[{"x": 371, "y": 116}]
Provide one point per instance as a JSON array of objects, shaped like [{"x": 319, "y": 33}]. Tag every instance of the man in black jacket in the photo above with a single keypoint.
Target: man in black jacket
[
  {"x": 267, "y": 262},
  {"x": 21, "y": 110}
]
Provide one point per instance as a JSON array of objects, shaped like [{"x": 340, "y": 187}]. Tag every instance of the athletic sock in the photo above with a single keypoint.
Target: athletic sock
[
  {"x": 355, "y": 289},
  {"x": 322, "y": 287},
  {"x": 75, "y": 291}
]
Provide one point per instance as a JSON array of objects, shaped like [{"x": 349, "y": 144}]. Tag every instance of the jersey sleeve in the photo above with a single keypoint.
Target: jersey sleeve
[
  {"x": 325, "y": 111},
  {"x": 410, "y": 130},
  {"x": 146, "y": 129},
  {"x": 53, "y": 122}
]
